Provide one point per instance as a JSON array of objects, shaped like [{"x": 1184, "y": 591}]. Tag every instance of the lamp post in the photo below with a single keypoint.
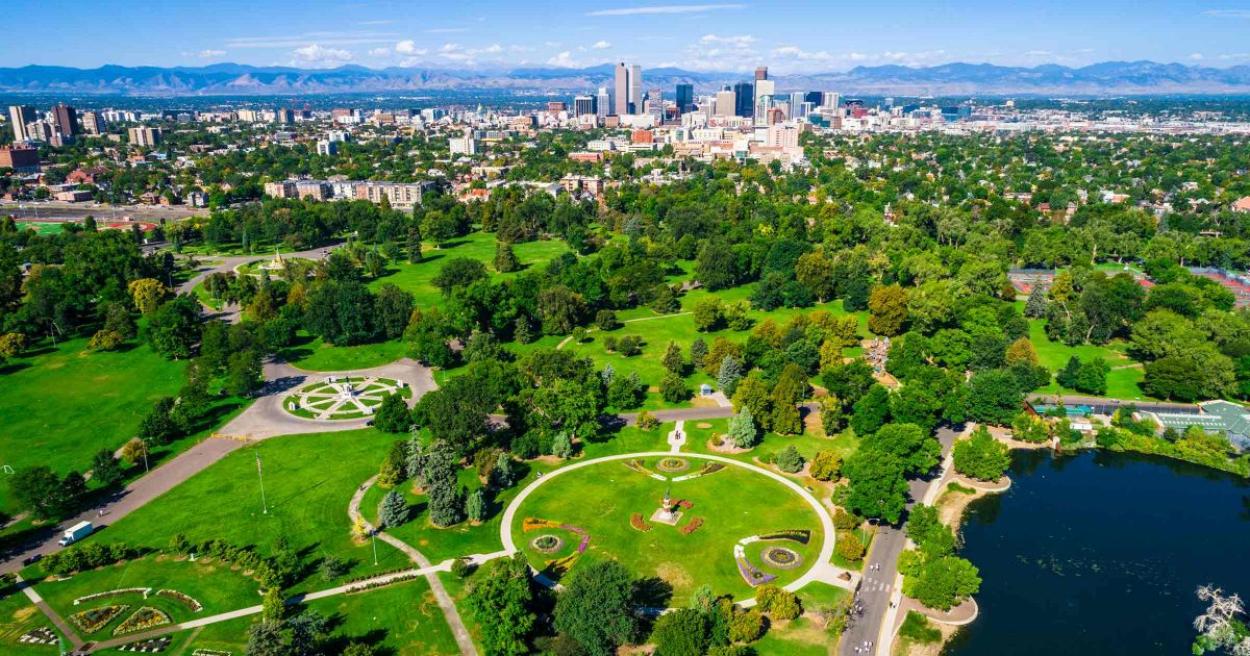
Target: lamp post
[{"x": 264, "y": 507}]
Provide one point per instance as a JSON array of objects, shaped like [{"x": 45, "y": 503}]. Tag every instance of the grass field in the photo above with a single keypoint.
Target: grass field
[
  {"x": 312, "y": 354},
  {"x": 17, "y": 616},
  {"x": 306, "y": 494},
  {"x": 733, "y": 503},
  {"x": 64, "y": 403},
  {"x": 415, "y": 278},
  {"x": 1122, "y": 381}
]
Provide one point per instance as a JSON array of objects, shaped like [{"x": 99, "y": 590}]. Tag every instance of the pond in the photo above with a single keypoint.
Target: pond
[{"x": 1100, "y": 553}]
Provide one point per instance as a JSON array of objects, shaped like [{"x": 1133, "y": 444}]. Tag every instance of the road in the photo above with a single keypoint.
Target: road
[
  {"x": 103, "y": 212},
  {"x": 881, "y": 566}
]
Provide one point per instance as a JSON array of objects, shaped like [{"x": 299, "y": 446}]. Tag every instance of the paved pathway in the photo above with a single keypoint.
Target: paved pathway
[
  {"x": 445, "y": 602},
  {"x": 826, "y": 521},
  {"x": 677, "y": 437},
  {"x": 61, "y": 625}
]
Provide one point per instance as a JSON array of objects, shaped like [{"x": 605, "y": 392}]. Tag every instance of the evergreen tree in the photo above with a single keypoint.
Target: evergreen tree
[
  {"x": 394, "y": 466},
  {"x": 789, "y": 460},
  {"x": 446, "y": 498},
  {"x": 698, "y": 351},
  {"x": 414, "y": 467},
  {"x": 413, "y": 244},
  {"x": 505, "y": 259},
  {"x": 504, "y": 474},
  {"x": 742, "y": 430},
  {"x": 1035, "y": 307},
  {"x": 673, "y": 360},
  {"x": 392, "y": 416},
  {"x": 393, "y": 510},
  {"x": 562, "y": 446},
  {"x": 476, "y": 505},
  {"x": 730, "y": 373}
]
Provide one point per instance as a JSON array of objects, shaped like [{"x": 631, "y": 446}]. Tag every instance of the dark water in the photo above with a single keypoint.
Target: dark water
[{"x": 1100, "y": 553}]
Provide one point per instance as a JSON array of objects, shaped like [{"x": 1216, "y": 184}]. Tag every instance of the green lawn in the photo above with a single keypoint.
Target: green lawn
[
  {"x": 312, "y": 354},
  {"x": 215, "y": 586},
  {"x": 734, "y": 504},
  {"x": 415, "y": 278},
  {"x": 17, "y": 616},
  {"x": 1123, "y": 379},
  {"x": 63, "y": 404},
  {"x": 307, "y": 495},
  {"x": 800, "y": 637},
  {"x": 401, "y": 619}
]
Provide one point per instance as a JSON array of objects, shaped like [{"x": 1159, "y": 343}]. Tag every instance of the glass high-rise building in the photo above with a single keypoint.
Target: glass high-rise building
[{"x": 684, "y": 97}]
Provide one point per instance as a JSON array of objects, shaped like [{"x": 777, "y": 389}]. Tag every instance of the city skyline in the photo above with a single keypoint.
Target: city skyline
[{"x": 790, "y": 37}]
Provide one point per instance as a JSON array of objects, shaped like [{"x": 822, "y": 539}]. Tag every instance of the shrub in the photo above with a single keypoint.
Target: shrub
[
  {"x": 826, "y": 465},
  {"x": 844, "y": 520},
  {"x": 674, "y": 389},
  {"x": 849, "y": 546},
  {"x": 647, "y": 421},
  {"x": 916, "y": 627},
  {"x": 778, "y": 603},
  {"x": 746, "y": 626},
  {"x": 789, "y": 460}
]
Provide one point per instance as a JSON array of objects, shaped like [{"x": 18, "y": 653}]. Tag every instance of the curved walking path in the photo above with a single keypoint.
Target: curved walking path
[
  {"x": 429, "y": 571},
  {"x": 818, "y": 572}
]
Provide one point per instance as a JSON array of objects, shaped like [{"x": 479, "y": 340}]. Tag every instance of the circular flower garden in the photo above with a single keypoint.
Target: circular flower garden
[
  {"x": 342, "y": 398},
  {"x": 734, "y": 530}
]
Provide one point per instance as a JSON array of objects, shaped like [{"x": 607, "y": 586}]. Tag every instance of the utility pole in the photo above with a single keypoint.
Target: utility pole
[
  {"x": 374, "y": 536},
  {"x": 260, "y": 474}
]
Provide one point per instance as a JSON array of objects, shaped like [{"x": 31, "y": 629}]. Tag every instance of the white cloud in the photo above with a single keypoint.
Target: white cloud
[
  {"x": 564, "y": 60},
  {"x": 601, "y": 45},
  {"x": 1196, "y": 56},
  {"x": 794, "y": 53},
  {"x": 210, "y": 53},
  {"x": 316, "y": 54},
  {"x": 664, "y": 9},
  {"x": 740, "y": 41},
  {"x": 408, "y": 47}
]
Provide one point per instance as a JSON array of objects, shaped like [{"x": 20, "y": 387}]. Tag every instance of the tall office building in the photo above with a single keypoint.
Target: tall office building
[
  {"x": 65, "y": 119},
  {"x": 684, "y": 98},
  {"x": 814, "y": 97},
  {"x": 635, "y": 89},
  {"x": 831, "y": 100},
  {"x": 583, "y": 105},
  {"x": 764, "y": 90},
  {"x": 725, "y": 102},
  {"x": 93, "y": 123},
  {"x": 745, "y": 99},
  {"x": 603, "y": 103},
  {"x": 761, "y": 73},
  {"x": 19, "y": 116},
  {"x": 797, "y": 99},
  {"x": 620, "y": 92}
]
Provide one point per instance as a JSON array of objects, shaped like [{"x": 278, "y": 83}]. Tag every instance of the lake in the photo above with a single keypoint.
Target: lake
[{"x": 1100, "y": 553}]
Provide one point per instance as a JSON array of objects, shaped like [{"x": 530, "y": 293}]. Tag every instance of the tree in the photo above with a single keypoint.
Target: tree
[
  {"x": 500, "y": 601},
  {"x": 673, "y": 388},
  {"x": 174, "y": 327},
  {"x": 730, "y": 372},
  {"x": 742, "y": 430},
  {"x": 682, "y": 632},
  {"x": 826, "y": 465},
  {"x": 595, "y": 610},
  {"x": 606, "y": 320},
  {"x": 943, "y": 582},
  {"x": 887, "y": 307},
  {"x": 849, "y": 546},
  {"x": 147, "y": 294},
  {"x": 505, "y": 259},
  {"x": 104, "y": 469},
  {"x": 1035, "y": 307},
  {"x": 789, "y": 460},
  {"x": 244, "y": 372},
  {"x": 698, "y": 351},
  {"x": 993, "y": 397},
  {"x": 392, "y": 415},
  {"x": 981, "y": 456},
  {"x": 877, "y": 486},
  {"x": 871, "y": 411},
  {"x": 393, "y": 310},
  {"x": 786, "y": 419},
  {"x": 393, "y": 510},
  {"x": 777, "y": 603},
  {"x": 446, "y": 498},
  {"x": 918, "y": 451},
  {"x": 707, "y": 314},
  {"x": 134, "y": 450},
  {"x": 457, "y": 273},
  {"x": 562, "y": 446},
  {"x": 1021, "y": 351},
  {"x": 44, "y": 494},
  {"x": 504, "y": 474},
  {"x": 672, "y": 360},
  {"x": 395, "y": 466},
  {"x": 476, "y": 506}
]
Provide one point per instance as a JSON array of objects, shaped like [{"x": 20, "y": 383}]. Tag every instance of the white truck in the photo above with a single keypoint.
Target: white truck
[{"x": 75, "y": 533}]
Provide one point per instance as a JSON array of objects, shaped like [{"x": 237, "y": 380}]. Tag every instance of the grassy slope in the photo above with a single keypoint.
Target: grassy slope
[
  {"x": 63, "y": 404},
  {"x": 307, "y": 496}
]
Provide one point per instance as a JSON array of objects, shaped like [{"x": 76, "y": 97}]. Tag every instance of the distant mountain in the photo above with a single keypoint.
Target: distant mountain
[{"x": 1107, "y": 78}]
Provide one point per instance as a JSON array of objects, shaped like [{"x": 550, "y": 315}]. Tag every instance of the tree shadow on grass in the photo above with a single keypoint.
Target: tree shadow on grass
[{"x": 652, "y": 592}]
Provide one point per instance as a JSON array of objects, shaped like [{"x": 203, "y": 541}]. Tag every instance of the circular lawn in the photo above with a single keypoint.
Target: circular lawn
[{"x": 610, "y": 507}]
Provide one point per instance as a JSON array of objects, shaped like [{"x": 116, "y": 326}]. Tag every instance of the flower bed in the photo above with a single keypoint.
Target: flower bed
[
  {"x": 40, "y": 636},
  {"x": 752, "y": 574},
  {"x": 637, "y": 466},
  {"x": 152, "y": 646},
  {"x": 143, "y": 619},
  {"x": 90, "y": 621},
  {"x": 184, "y": 599},
  {"x": 684, "y": 504},
  {"x": 636, "y": 521},
  {"x": 372, "y": 584},
  {"x": 113, "y": 593},
  {"x": 534, "y": 523},
  {"x": 782, "y": 558},
  {"x": 692, "y": 526},
  {"x": 547, "y": 543},
  {"x": 800, "y": 535},
  {"x": 209, "y": 652},
  {"x": 672, "y": 465}
]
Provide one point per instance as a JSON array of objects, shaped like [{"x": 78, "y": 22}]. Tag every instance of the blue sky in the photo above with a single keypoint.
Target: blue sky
[{"x": 788, "y": 36}]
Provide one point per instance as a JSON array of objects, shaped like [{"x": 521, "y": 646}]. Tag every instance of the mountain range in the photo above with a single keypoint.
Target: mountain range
[{"x": 1102, "y": 79}]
